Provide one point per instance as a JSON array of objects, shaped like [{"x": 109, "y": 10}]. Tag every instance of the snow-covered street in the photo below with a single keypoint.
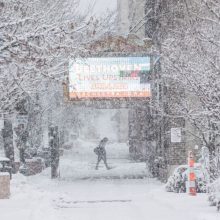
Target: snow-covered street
[
  {"x": 125, "y": 192},
  {"x": 38, "y": 197},
  {"x": 80, "y": 161}
]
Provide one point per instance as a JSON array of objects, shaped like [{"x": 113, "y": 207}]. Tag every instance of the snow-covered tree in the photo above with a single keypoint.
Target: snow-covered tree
[
  {"x": 189, "y": 37},
  {"x": 37, "y": 38}
]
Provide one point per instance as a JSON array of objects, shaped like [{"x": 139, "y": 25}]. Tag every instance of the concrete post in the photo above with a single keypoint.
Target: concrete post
[{"x": 4, "y": 185}]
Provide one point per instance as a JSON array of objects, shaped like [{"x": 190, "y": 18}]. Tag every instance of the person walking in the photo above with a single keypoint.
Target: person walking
[{"x": 101, "y": 153}]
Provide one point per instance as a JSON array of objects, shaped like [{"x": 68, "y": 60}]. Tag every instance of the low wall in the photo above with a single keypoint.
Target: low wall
[{"x": 4, "y": 185}]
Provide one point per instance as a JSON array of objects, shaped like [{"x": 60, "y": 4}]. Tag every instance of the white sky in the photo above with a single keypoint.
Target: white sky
[{"x": 100, "y": 6}]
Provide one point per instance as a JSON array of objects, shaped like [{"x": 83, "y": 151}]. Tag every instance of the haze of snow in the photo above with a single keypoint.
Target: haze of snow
[{"x": 100, "y": 5}]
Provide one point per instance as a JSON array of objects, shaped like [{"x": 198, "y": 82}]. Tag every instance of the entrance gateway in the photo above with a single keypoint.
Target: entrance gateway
[
  {"x": 111, "y": 93},
  {"x": 121, "y": 83}
]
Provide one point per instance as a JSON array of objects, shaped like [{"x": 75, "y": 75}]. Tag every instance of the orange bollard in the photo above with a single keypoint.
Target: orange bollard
[{"x": 191, "y": 175}]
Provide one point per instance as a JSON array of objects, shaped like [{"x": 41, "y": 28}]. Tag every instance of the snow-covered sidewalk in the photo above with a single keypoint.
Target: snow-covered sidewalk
[
  {"x": 80, "y": 161},
  {"x": 39, "y": 198}
]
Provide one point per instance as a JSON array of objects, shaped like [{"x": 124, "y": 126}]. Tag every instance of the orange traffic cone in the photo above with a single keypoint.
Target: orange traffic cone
[{"x": 191, "y": 175}]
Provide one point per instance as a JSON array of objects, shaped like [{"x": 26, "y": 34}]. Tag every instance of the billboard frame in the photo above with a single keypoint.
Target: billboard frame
[{"x": 106, "y": 55}]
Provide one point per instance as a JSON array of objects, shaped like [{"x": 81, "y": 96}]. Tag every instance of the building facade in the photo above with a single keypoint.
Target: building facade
[{"x": 174, "y": 135}]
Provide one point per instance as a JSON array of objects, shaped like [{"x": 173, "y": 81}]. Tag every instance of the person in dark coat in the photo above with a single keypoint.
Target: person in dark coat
[{"x": 101, "y": 153}]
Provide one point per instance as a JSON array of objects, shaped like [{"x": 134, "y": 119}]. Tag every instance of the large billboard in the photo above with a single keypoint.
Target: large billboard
[{"x": 109, "y": 77}]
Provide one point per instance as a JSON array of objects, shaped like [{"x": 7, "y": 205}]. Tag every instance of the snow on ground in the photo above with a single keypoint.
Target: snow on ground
[
  {"x": 80, "y": 162},
  {"x": 82, "y": 193},
  {"x": 38, "y": 197}
]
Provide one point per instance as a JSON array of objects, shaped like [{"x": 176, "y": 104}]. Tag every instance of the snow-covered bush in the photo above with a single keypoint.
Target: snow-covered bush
[
  {"x": 214, "y": 193},
  {"x": 201, "y": 185},
  {"x": 177, "y": 181}
]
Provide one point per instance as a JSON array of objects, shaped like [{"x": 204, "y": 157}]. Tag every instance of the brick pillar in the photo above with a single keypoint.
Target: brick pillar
[{"x": 4, "y": 186}]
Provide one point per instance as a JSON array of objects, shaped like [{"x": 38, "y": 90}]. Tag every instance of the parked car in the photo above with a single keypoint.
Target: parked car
[{"x": 178, "y": 180}]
